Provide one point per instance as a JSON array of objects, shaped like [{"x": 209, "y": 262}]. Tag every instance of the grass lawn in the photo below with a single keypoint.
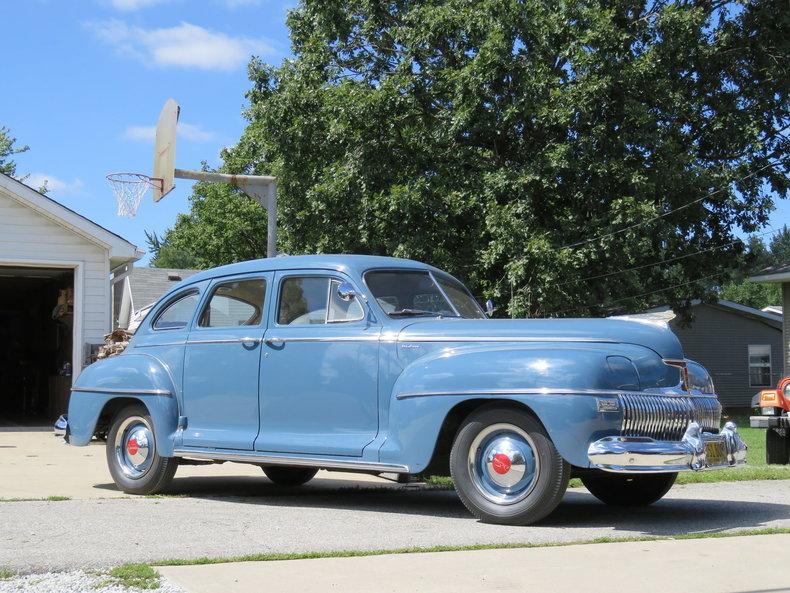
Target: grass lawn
[{"x": 756, "y": 468}]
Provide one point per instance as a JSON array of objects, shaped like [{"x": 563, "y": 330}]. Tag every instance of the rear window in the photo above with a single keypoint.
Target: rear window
[{"x": 178, "y": 313}]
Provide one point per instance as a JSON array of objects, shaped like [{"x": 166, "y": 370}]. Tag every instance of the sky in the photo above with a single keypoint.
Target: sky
[{"x": 85, "y": 80}]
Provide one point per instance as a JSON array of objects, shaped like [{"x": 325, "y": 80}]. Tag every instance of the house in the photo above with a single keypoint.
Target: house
[
  {"x": 55, "y": 304},
  {"x": 136, "y": 289},
  {"x": 740, "y": 346},
  {"x": 780, "y": 275}
]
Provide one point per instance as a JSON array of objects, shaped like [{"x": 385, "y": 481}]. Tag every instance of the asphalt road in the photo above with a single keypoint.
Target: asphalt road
[{"x": 39, "y": 536}]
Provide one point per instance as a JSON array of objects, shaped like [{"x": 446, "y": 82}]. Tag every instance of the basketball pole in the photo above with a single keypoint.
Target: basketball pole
[{"x": 262, "y": 188}]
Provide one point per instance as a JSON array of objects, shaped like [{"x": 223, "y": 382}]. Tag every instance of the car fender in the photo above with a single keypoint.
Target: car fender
[
  {"x": 131, "y": 376},
  {"x": 562, "y": 386}
]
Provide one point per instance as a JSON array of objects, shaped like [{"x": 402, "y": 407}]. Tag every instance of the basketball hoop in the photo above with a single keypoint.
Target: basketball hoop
[{"x": 129, "y": 189}]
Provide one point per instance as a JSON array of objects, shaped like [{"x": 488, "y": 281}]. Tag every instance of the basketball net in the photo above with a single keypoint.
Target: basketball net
[{"x": 129, "y": 189}]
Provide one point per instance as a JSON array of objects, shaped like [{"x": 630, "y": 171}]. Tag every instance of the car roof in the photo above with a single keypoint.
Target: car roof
[{"x": 354, "y": 264}]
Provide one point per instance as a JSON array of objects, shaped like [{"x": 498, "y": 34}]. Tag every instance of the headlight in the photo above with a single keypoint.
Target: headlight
[
  {"x": 699, "y": 378},
  {"x": 768, "y": 411},
  {"x": 786, "y": 392}
]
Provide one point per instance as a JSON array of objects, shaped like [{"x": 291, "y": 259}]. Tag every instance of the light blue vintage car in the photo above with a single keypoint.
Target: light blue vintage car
[{"x": 383, "y": 365}]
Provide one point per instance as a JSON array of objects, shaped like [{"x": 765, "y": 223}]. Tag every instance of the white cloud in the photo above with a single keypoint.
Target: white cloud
[
  {"x": 54, "y": 184},
  {"x": 183, "y": 46},
  {"x": 130, "y": 5},
  {"x": 239, "y": 3},
  {"x": 192, "y": 132},
  {"x": 144, "y": 133}
]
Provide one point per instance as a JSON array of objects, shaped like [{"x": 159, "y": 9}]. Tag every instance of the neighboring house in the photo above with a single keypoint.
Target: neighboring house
[
  {"x": 780, "y": 275},
  {"x": 739, "y": 345},
  {"x": 136, "y": 289},
  {"x": 55, "y": 304}
]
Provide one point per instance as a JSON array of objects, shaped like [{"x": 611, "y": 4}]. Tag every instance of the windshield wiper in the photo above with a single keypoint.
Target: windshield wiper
[{"x": 417, "y": 313}]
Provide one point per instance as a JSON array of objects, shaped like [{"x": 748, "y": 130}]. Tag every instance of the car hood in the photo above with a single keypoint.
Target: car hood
[{"x": 654, "y": 335}]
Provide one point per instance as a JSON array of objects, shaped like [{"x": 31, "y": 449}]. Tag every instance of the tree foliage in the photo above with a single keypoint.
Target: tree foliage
[
  {"x": 8, "y": 149},
  {"x": 565, "y": 158},
  {"x": 758, "y": 257}
]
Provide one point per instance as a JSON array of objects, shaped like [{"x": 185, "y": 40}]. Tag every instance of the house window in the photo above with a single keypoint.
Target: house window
[{"x": 760, "y": 365}]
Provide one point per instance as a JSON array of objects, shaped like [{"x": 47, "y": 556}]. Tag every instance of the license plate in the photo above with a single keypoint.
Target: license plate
[{"x": 716, "y": 452}]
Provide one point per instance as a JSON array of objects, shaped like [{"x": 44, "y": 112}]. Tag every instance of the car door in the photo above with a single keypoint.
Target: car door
[
  {"x": 222, "y": 364},
  {"x": 319, "y": 376}
]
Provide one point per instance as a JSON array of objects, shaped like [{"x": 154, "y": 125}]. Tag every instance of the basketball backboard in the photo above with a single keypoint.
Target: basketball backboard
[{"x": 165, "y": 150}]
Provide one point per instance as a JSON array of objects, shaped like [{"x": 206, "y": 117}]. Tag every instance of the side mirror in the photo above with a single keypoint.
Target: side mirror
[
  {"x": 346, "y": 291},
  {"x": 489, "y": 307}
]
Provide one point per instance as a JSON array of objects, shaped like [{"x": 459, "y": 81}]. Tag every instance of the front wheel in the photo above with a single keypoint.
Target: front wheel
[
  {"x": 505, "y": 468},
  {"x": 132, "y": 456},
  {"x": 627, "y": 490}
]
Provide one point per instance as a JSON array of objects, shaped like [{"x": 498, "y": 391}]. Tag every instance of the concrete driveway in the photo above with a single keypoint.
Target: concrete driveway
[
  {"x": 232, "y": 510},
  {"x": 34, "y": 463}
]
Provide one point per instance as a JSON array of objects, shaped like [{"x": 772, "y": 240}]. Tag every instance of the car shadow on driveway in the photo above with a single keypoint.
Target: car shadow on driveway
[{"x": 579, "y": 509}]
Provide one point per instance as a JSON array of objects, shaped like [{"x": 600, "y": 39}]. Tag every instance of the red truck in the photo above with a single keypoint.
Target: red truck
[{"x": 773, "y": 408}]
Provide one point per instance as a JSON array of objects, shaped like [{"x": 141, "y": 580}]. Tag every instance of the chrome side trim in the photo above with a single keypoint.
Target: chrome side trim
[
  {"x": 179, "y": 343},
  {"x": 228, "y": 341},
  {"x": 504, "y": 339},
  {"x": 122, "y": 391},
  {"x": 281, "y": 339},
  {"x": 274, "y": 459},
  {"x": 542, "y": 391}
]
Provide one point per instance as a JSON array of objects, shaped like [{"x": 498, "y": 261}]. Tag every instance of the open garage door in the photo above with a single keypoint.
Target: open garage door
[{"x": 36, "y": 339}]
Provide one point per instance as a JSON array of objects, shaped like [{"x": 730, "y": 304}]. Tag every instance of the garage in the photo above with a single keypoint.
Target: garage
[{"x": 55, "y": 305}]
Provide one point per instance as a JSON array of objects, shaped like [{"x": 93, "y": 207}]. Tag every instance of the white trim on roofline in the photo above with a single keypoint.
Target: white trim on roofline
[
  {"x": 775, "y": 317},
  {"x": 780, "y": 277},
  {"x": 118, "y": 247}
]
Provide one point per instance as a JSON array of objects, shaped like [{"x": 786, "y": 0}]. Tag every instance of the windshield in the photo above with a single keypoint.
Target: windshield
[{"x": 415, "y": 293}]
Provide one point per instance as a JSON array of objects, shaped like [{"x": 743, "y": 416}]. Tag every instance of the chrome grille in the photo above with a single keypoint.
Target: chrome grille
[{"x": 666, "y": 417}]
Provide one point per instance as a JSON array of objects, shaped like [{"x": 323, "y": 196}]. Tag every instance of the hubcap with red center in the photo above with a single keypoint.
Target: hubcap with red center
[
  {"x": 134, "y": 447},
  {"x": 503, "y": 464}
]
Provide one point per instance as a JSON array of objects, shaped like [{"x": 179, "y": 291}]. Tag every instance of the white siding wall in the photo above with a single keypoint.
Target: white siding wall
[{"x": 27, "y": 236}]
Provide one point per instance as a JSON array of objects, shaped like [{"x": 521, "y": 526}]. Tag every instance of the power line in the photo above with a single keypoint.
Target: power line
[
  {"x": 644, "y": 294},
  {"x": 667, "y": 213},
  {"x": 667, "y": 261}
]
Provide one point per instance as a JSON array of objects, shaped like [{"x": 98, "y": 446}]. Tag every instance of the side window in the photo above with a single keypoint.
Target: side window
[
  {"x": 235, "y": 303},
  {"x": 310, "y": 300},
  {"x": 178, "y": 313},
  {"x": 759, "y": 365}
]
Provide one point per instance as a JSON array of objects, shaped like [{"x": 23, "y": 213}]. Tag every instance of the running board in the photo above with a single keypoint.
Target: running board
[{"x": 270, "y": 459}]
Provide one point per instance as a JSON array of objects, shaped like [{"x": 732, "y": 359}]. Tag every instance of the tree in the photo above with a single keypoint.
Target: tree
[
  {"x": 168, "y": 256},
  {"x": 576, "y": 158},
  {"x": 7, "y": 151},
  {"x": 759, "y": 257}
]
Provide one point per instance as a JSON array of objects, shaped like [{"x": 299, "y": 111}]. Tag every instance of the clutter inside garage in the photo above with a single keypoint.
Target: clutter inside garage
[{"x": 36, "y": 337}]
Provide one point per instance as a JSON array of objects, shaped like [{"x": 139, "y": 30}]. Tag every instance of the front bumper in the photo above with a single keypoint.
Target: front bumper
[
  {"x": 697, "y": 450},
  {"x": 769, "y": 421}
]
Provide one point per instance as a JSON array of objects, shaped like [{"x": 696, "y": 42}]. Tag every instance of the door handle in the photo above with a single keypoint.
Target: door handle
[
  {"x": 249, "y": 342},
  {"x": 274, "y": 341}
]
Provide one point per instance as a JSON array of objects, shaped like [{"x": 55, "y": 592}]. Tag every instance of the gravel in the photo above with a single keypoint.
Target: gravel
[
  {"x": 99, "y": 534},
  {"x": 74, "y": 581}
]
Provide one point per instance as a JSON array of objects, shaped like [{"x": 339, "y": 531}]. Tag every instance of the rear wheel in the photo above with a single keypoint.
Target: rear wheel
[
  {"x": 777, "y": 446},
  {"x": 289, "y": 476},
  {"x": 627, "y": 490},
  {"x": 505, "y": 468},
  {"x": 132, "y": 455}
]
